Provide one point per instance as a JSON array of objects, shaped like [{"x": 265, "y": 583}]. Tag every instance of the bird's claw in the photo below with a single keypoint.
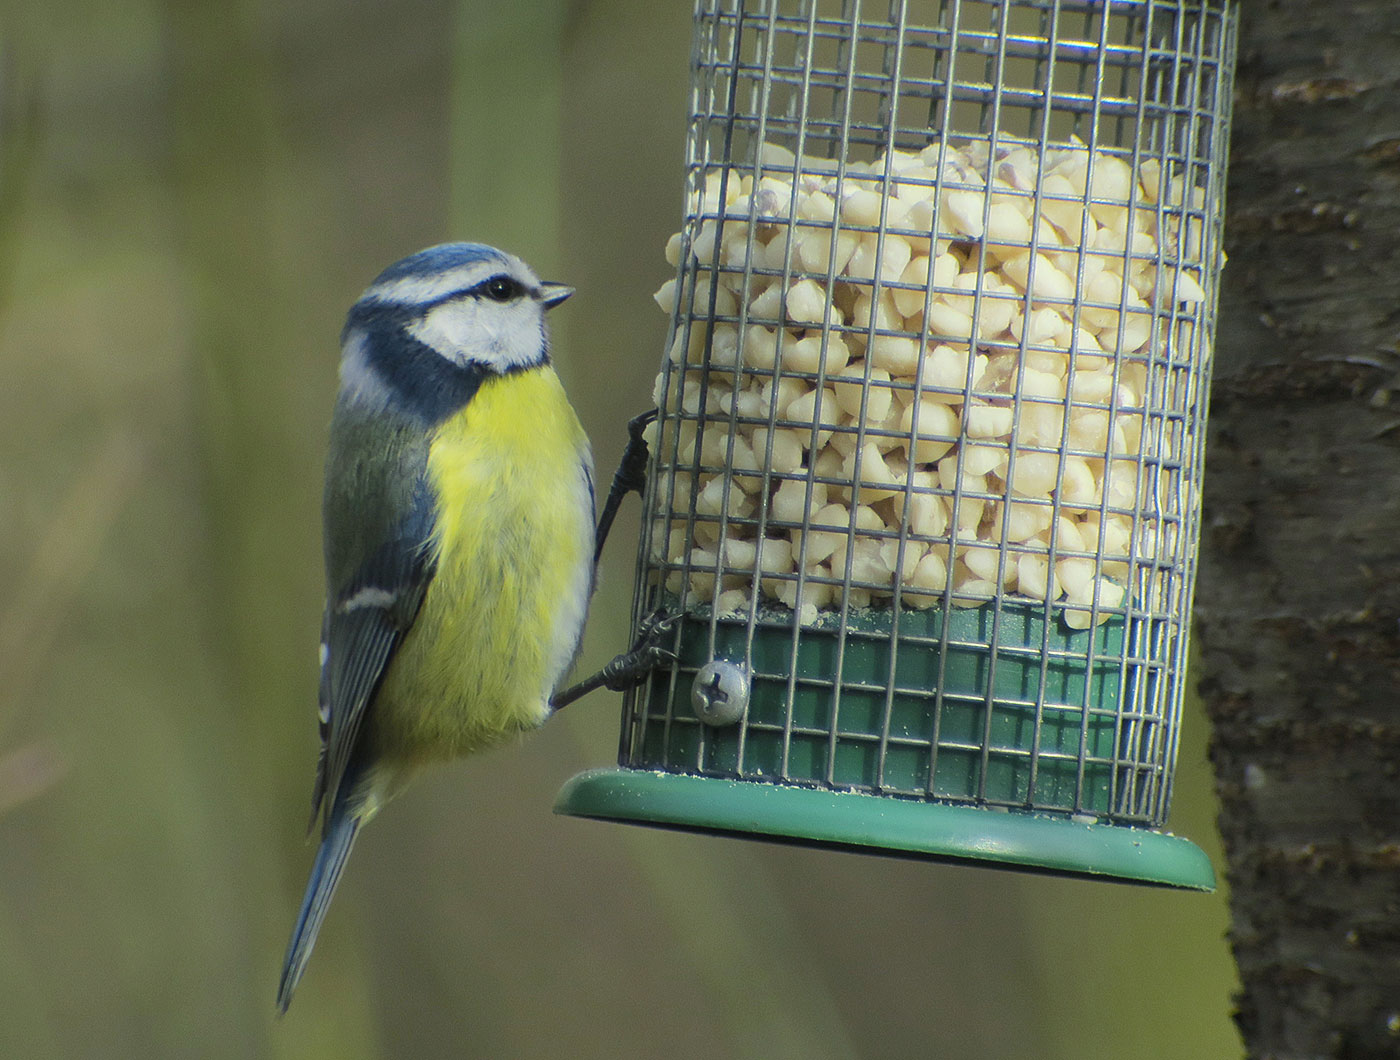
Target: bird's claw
[
  {"x": 632, "y": 667},
  {"x": 632, "y": 472}
]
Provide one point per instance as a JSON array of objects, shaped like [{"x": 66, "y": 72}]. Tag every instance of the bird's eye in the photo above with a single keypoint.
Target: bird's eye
[{"x": 501, "y": 289}]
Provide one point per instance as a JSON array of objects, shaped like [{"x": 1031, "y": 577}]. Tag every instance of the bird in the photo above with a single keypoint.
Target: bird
[{"x": 459, "y": 539}]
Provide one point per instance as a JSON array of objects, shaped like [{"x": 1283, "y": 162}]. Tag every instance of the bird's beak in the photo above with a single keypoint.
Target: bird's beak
[{"x": 551, "y": 294}]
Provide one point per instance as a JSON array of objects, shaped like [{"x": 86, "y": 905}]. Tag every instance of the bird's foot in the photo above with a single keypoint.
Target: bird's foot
[
  {"x": 632, "y": 667},
  {"x": 631, "y": 473}
]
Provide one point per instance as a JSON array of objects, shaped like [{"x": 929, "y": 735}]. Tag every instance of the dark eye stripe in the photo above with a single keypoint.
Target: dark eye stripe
[{"x": 499, "y": 288}]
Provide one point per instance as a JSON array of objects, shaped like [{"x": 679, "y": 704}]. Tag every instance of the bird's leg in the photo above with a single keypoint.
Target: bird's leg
[
  {"x": 631, "y": 475},
  {"x": 631, "y": 667}
]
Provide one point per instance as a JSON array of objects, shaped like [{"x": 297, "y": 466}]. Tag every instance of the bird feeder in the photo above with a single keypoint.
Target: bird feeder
[{"x": 924, "y": 499}]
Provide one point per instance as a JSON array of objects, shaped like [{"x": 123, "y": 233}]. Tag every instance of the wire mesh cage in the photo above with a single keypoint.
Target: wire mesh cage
[{"x": 925, "y": 479}]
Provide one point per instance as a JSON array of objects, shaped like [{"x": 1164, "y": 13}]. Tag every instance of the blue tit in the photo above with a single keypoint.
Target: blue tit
[{"x": 459, "y": 534}]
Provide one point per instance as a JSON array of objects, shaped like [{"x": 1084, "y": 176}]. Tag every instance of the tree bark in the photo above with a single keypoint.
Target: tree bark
[{"x": 1298, "y": 599}]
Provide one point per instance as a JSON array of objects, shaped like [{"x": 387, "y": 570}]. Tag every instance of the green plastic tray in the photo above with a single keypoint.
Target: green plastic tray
[{"x": 1055, "y": 844}]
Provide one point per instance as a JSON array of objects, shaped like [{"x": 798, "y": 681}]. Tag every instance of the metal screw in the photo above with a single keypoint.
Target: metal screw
[{"x": 720, "y": 692}]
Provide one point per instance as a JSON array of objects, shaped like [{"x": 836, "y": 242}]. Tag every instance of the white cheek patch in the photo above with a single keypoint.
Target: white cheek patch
[
  {"x": 500, "y": 336},
  {"x": 453, "y": 329}
]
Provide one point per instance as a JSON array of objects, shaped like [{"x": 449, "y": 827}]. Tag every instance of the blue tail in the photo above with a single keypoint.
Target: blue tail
[{"x": 341, "y": 830}]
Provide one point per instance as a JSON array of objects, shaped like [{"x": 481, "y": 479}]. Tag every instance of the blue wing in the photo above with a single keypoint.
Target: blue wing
[{"x": 364, "y": 623}]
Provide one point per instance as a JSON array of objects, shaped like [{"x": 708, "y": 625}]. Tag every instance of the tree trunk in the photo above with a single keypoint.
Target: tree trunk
[{"x": 1298, "y": 601}]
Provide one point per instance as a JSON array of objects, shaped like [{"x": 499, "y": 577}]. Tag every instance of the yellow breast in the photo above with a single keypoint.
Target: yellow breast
[{"x": 502, "y": 617}]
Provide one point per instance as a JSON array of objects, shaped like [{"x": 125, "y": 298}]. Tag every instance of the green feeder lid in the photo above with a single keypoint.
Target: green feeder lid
[{"x": 1035, "y": 842}]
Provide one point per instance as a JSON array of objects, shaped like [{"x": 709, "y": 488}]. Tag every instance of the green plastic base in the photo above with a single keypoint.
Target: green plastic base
[{"x": 1055, "y": 844}]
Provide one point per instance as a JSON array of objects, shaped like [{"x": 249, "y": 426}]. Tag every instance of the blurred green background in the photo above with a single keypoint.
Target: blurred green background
[{"x": 191, "y": 195}]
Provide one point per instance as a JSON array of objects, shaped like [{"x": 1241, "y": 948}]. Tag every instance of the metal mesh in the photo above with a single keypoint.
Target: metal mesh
[{"x": 934, "y": 397}]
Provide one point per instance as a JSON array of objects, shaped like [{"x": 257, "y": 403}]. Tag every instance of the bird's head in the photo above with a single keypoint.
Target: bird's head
[{"x": 445, "y": 317}]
